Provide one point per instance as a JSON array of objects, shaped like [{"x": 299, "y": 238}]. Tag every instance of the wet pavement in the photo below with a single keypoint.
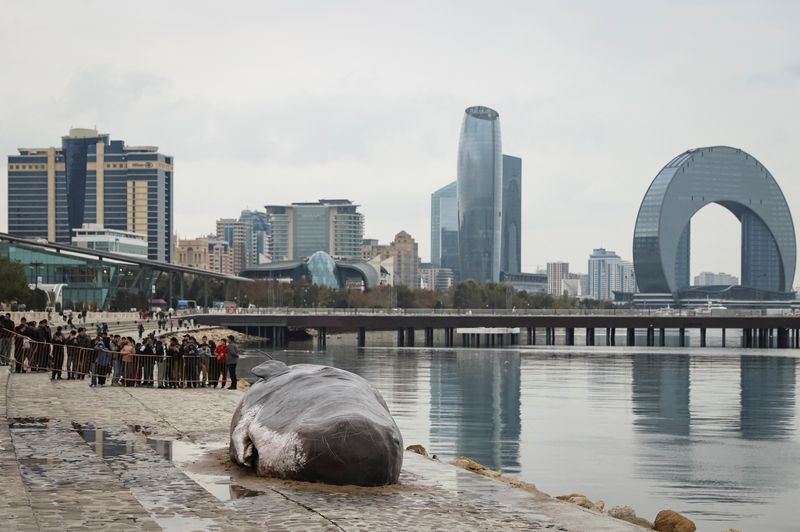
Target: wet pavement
[{"x": 114, "y": 458}]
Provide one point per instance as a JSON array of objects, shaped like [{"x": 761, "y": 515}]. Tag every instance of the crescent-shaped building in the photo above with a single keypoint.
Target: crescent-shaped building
[{"x": 729, "y": 177}]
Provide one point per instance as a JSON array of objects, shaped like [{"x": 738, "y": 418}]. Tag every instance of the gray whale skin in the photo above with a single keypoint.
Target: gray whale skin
[{"x": 317, "y": 424}]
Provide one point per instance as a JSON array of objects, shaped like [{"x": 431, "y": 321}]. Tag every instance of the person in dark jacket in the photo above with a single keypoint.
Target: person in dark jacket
[
  {"x": 6, "y": 339},
  {"x": 58, "y": 355},
  {"x": 233, "y": 359},
  {"x": 147, "y": 355},
  {"x": 71, "y": 343},
  {"x": 174, "y": 364},
  {"x": 20, "y": 349},
  {"x": 101, "y": 364},
  {"x": 86, "y": 353}
]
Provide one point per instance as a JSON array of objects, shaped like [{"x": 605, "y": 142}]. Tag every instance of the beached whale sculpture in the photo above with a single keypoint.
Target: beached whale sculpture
[{"x": 317, "y": 424}]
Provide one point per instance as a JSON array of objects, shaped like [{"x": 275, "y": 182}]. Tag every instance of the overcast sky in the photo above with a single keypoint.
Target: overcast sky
[{"x": 274, "y": 102}]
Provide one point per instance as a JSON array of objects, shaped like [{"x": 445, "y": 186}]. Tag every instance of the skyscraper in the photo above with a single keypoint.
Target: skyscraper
[
  {"x": 480, "y": 195},
  {"x": 556, "y": 273},
  {"x": 444, "y": 227},
  {"x": 602, "y": 273},
  {"x": 511, "y": 261},
  {"x": 92, "y": 180}
]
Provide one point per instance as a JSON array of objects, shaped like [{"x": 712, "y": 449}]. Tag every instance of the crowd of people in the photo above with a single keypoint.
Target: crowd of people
[{"x": 148, "y": 362}]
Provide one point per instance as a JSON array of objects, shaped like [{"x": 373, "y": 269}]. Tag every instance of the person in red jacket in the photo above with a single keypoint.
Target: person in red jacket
[{"x": 221, "y": 355}]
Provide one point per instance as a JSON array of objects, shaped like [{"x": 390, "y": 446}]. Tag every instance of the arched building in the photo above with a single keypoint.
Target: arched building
[{"x": 736, "y": 180}]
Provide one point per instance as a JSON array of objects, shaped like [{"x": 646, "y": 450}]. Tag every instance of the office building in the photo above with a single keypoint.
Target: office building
[
  {"x": 404, "y": 254},
  {"x": 480, "y": 195},
  {"x": 239, "y": 236},
  {"x": 623, "y": 278},
  {"x": 444, "y": 227},
  {"x": 434, "y": 278},
  {"x": 91, "y": 179},
  {"x": 736, "y": 180},
  {"x": 261, "y": 236},
  {"x": 301, "y": 229},
  {"x": 511, "y": 249},
  {"x": 556, "y": 273},
  {"x": 602, "y": 274},
  {"x": 715, "y": 279},
  {"x": 95, "y": 236},
  {"x": 529, "y": 282},
  {"x": 208, "y": 254}
]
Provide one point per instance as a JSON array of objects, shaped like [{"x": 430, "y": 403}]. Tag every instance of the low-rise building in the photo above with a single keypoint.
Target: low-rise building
[{"x": 97, "y": 237}]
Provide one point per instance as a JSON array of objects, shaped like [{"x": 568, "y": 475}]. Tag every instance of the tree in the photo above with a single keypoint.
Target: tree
[
  {"x": 13, "y": 281},
  {"x": 469, "y": 294}
]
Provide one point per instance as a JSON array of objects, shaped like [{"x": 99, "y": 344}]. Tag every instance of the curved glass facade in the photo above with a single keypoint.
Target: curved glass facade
[
  {"x": 737, "y": 181},
  {"x": 323, "y": 270},
  {"x": 480, "y": 195}
]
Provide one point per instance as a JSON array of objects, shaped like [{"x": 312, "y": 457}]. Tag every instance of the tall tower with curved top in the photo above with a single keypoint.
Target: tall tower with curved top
[{"x": 480, "y": 195}]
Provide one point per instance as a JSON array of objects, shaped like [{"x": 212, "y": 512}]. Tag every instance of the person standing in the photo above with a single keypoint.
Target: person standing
[
  {"x": 126, "y": 359},
  {"x": 21, "y": 344},
  {"x": 175, "y": 361},
  {"x": 203, "y": 355},
  {"x": 221, "y": 357},
  {"x": 147, "y": 353},
  {"x": 85, "y": 353},
  {"x": 58, "y": 355},
  {"x": 161, "y": 358},
  {"x": 141, "y": 330},
  {"x": 6, "y": 339},
  {"x": 233, "y": 359},
  {"x": 101, "y": 364},
  {"x": 71, "y": 344}
]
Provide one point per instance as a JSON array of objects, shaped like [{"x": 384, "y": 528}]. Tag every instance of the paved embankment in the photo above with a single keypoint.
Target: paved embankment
[{"x": 118, "y": 458}]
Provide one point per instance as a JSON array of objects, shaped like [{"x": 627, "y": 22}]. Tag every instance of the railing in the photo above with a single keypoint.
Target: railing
[
  {"x": 26, "y": 355},
  {"x": 323, "y": 311}
]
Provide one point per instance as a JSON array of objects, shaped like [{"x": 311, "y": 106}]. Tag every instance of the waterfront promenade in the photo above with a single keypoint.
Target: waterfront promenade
[{"x": 136, "y": 458}]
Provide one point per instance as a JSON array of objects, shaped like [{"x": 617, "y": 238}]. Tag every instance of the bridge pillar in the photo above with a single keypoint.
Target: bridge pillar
[
  {"x": 682, "y": 337},
  {"x": 770, "y": 337},
  {"x": 589, "y": 336},
  {"x": 702, "y": 336},
  {"x": 631, "y": 339},
  {"x": 531, "y": 336},
  {"x": 362, "y": 337},
  {"x": 613, "y": 336},
  {"x": 746, "y": 337},
  {"x": 464, "y": 340},
  {"x": 428, "y": 336},
  {"x": 551, "y": 336},
  {"x": 401, "y": 342},
  {"x": 723, "y": 337},
  {"x": 651, "y": 336},
  {"x": 321, "y": 338},
  {"x": 662, "y": 337},
  {"x": 410, "y": 336},
  {"x": 570, "y": 335}
]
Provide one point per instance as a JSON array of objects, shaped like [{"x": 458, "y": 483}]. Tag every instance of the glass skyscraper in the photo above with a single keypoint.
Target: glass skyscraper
[
  {"x": 511, "y": 261},
  {"x": 444, "y": 227},
  {"x": 729, "y": 177},
  {"x": 480, "y": 195},
  {"x": 92, "y": 180}
]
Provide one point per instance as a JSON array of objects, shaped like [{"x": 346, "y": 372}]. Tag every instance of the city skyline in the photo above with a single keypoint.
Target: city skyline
[{"x": 579, "y": 92}]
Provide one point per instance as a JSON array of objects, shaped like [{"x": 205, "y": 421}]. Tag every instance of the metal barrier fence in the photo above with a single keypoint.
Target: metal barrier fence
[{"x": 70, "y": 361}]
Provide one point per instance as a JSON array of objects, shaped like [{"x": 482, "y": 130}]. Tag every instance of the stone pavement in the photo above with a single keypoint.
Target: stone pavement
[{"x": 113, "y": 458}]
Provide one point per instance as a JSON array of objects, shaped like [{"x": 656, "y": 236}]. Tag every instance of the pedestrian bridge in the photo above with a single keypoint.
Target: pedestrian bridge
[{"x": 755, "y": 327}]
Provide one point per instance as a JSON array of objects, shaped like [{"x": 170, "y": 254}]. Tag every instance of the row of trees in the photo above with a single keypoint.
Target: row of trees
[{"x": 465, "y": 295}]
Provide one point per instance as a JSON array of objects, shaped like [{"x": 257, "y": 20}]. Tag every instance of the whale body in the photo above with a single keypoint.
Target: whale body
[{"x": 317, "y": 424}]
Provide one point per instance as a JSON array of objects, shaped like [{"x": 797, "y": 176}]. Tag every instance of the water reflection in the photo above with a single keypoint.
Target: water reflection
[
  {"x": 711, "y": 432},
  {"x": 768, "y": 397},
  {"x": 660, "y": 394},
  {"x": 475, "y": 406}
]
